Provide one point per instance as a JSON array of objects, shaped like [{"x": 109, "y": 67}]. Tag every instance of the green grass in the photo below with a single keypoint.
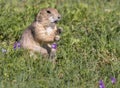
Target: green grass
[{"x": 88, "y": 51}]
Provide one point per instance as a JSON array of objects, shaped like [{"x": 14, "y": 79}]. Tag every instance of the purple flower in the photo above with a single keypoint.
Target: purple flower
[
  {"x": 17, "y": 45},
  {"x": 113, "y": 80},
  {"x": 54, "y": 46},
  {"x": 101, "y": 84}
]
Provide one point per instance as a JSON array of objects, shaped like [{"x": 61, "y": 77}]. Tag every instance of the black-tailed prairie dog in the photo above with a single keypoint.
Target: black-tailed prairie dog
[{"x": 39, "y": 36}]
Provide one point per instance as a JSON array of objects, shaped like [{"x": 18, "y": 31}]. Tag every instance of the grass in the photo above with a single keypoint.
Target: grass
[{"x": 89, "y": 50}]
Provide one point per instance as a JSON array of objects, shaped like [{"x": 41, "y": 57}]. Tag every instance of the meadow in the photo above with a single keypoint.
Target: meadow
[{"x": 88, "y": 52}]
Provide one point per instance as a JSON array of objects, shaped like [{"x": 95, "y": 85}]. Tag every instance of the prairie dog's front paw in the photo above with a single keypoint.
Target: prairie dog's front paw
[
  {"x": 59, "y": 30},
  {"x": 57, "y": 38}
]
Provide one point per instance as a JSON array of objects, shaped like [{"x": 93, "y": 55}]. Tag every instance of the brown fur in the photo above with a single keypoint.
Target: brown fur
[{"x": 42, "y": 32}]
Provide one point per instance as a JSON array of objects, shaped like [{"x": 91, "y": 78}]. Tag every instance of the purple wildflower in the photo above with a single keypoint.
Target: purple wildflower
[
  {"x": 54, "y": 46},
  {"x": 17, "y": 45},
  {"x": 113, "y": 80},
  {"x": 101, "y": 84}
]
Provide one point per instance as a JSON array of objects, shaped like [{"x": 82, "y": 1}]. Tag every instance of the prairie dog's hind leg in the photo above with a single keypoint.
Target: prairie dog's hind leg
[{"x": 39, "y": 49}]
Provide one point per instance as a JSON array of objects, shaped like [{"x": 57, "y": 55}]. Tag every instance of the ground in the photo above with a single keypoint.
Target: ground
[{"x": 89, "y": 49}]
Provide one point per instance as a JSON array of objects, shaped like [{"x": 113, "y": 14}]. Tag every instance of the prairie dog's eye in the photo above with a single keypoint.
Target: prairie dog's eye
[{"x": 48, "y": 12}]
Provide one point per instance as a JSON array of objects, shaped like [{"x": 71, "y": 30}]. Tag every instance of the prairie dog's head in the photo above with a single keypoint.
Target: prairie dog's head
[{"x": 50, "y": 15}]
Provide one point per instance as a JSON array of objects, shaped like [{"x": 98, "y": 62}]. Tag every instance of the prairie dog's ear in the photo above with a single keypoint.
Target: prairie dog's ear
[{"x": 38, "y": 17}]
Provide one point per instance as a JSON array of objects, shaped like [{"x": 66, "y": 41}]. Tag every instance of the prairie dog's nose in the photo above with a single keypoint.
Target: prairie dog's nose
[{"x": 59, "y": 17}]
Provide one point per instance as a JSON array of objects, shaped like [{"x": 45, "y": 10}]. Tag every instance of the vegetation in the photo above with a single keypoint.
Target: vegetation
[{"x": 89, "y": 50}]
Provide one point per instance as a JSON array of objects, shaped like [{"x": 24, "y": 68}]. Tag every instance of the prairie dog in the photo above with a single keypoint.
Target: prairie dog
[{"x": 42, "y": 32}]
